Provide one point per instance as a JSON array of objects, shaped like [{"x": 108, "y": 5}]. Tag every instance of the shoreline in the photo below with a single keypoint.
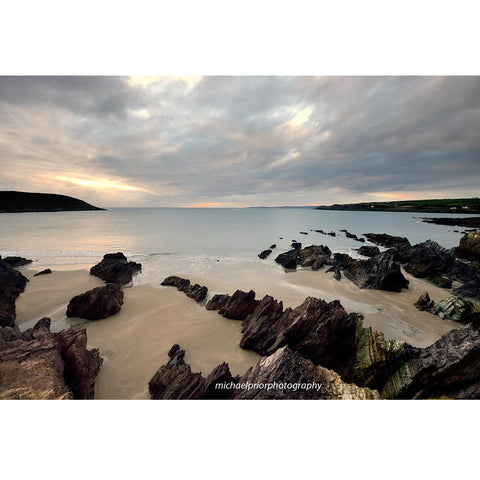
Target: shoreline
[{"x": 135, "y": 342}]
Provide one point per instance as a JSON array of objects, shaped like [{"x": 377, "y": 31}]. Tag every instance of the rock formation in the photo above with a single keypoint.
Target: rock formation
[
  {"x": 264, "y": 254},
  {"x": 197, "y": 292},
  {"x": 235, "y": 307},
  {"x": 12, "y": 284},
  {"x": 43, "y": 272},
  {"x": 368, "y": 251},
  {"x": 115, "y": 268},
  {"x": 98, "y": 303},
  {"x": 469, "y": 247},
  {"x": 17, "y": 261},
  {"x": 283, "y": 375},
  {"x": 38, "y": 364}
]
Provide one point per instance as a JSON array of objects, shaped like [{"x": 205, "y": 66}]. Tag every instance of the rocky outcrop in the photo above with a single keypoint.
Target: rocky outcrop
[
  {"x": 352, "y": 236},
  {"x": 264, "y": 254},
  {"x": 380, "y": 272},
  {"x": 469, "y": 247},
  {"x": 98, "y": 303},
  {"x": 17, "y": 261},
  {"x": 43, "y": 272},
  {"x": 273, "y": 246},
  {"x": 12, "y": 284},
  {"x": 38, "y": 364},
  {"x": 337, "y": 274},
  {"x": 288, "y": 260},
  {"x": 424, "y": 303},
  {"x": 235, "y": 307},
  {"x": 283, "y": 375},
  {"x": 455, "y": 308},
  {"x": 196, "y": 291},
  {"x": 115, "y": 268},
  {"x": 386, "y": 240},
  {"x": 296, "y": 245},
  {"x": 368, "y": 251}
]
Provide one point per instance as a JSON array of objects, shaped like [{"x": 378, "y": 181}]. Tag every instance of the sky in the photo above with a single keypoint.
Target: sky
[{"x": 238, "y": 141}]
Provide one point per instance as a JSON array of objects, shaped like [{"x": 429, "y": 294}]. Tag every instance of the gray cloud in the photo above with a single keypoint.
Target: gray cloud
[{"x": 241, "y": 140}]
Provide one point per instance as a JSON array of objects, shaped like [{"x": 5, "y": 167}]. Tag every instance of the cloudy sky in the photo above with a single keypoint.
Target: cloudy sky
[{"x": 240, "y": 141}]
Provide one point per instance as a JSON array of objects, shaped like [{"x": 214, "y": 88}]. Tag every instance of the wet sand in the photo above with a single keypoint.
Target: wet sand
[{"x": 135, "y": 342}]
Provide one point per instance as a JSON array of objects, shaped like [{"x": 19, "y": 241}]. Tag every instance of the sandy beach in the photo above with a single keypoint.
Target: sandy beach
[{"x": 134, "y": 343}]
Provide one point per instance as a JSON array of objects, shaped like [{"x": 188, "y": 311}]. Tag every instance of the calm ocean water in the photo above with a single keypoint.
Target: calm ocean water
[{"x": 167, "y": 240}]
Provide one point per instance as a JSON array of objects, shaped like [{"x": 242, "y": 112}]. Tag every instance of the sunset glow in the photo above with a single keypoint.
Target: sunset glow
[
  {"x": 101, "y": 183},
  {"x": 203, "y": 205}
]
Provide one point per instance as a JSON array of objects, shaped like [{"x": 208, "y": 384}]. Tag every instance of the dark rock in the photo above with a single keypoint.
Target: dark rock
[
  {"x": 115, "y": 268},
  {"x": 173, "y": 350},
  {"x": 239, "y": 305},
  {"x": 368, "y": 251},
  {"x": 197, "y": 292},
  {"x": 424, "y": 303},
  {"x": 469, "y": 247},
  {"x": 264, "y": 254},
  {"x": 304, "y": 233},
  {"x": 320, "y": 231},
  {"x": 314, "y": 256},
  {"x": 217, "y": 302},
  {"x": 380, "y": 272},
  {"x": 273, "y": 246},
  {"x": 100, "y": 302},
  {"x": 296, "y": 245},
  {"x": 286, "y": 368},
  {"x": 38, "y": 364},
  {"x": 323, "y": 332},
  {"x": 283, "y": 375},
  {"x": 17, "y": 261},
  {"x": 461, "y": 222},
  {"x": 352, "y": 236},
  {"x": 182, "y": 284},
  {"x": 12, "y": 284},
  {"x": 332, "y": 234},
  {"x": 387, "y": 240},
  {"x": 288, "y": 260},
  {"x": 43, "y": 272}
]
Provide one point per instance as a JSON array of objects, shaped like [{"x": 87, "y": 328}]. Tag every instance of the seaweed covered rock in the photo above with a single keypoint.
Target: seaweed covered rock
[
  {"x": 115, "y": 268},
  {"x": 98, "y": 303}
]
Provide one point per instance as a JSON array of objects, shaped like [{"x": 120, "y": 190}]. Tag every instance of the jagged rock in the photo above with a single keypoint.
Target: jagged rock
[
  {"x": 320, "y": 331},
  {"x": 98, "y": 303},
  {"x": 286, "y": 368},
  {"x": 457, "y": 308},
  {"x": 182, "y": 284},
  {"x": 387, "y": 240},
  {"x": 352, "y": 236},
  {"x": 424, "y": 303},
  {"x": 314, "y": 256},
  {"x": 236, "y": 307},
  {"x": 43, "y": 272},
  {"x": 296, "y": 245},
  {"x": 450, "y": 368},
  {"x": 12, "y": 284},
  {"x": 368, "y": 251},
  {"x": 288, "y": 260},
  {"x": 197, "y": 292},
  {"x": 273, "y": 246},
  {"x": 38, "y": 364},
  {"x": 115, "y": 268},
  {"x": 283, "y": 375},
  {"x": 469, "y": 247},
  {"x": 17, "y": 261},
  {"x": 380, "y": 272},
  {"x": 217, "y": 302},
  {"x": 264, "y": 254}
]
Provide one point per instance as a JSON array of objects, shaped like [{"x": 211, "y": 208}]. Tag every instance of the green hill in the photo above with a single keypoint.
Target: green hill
[
  {"x": 456, "y": 205},
  {"x": 11, "y": 202}
]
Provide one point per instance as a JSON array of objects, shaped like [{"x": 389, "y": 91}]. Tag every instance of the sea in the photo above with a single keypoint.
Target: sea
[{"x": 192, "y": 240}]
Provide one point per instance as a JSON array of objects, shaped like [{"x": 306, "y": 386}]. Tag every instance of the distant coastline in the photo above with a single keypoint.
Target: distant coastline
[
  {"x": 467, "y": 206},
  {"x": 19, "y": 202}
]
